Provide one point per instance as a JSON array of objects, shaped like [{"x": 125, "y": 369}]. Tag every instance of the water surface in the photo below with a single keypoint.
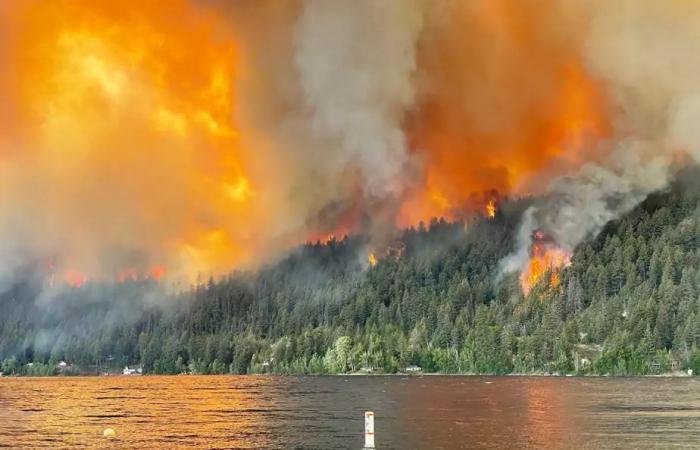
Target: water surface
[{"x": 431, "y": 412}]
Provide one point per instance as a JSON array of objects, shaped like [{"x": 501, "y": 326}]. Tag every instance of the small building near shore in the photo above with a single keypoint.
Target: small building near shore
[
  {"x": 675, "y": 365},
  {"x": 584, "y": 355},
  {"x": 413, "y": 369},
  {"x": 132, "y": 371},
  {"x": 655, "y": 367},
  {"x": 63, "y": 367}
]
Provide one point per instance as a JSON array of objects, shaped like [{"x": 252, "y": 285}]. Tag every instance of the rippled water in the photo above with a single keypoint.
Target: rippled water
[{"x": 327, "y": 412}]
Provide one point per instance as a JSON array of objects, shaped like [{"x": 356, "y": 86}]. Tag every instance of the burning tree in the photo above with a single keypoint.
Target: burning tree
[{"x": 546, "y": 261}]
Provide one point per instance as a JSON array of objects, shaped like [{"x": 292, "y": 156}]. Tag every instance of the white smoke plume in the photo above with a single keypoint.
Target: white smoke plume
[{"x": 357, "y": 62}]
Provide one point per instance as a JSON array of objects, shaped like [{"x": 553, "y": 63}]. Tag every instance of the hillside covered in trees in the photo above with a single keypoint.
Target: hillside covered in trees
[{"x": 629, "y": 303}]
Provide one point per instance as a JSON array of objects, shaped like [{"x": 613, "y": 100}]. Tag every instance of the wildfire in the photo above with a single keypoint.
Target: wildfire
[
  {"x": 371, "y": 259},
  {"x": 155, "y": 273},
  {"x": 128, "y": 116},
  {"x": 491, "y": 209},
  {"x": 184, "y": 142},
  {"x": 75, "y": 278},
  {"x": 475, "y": 139},
  {"x": 546, "y": 260},
  {"x": 128, "y": 275}
]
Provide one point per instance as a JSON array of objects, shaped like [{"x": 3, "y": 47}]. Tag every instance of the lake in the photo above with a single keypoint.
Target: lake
[{"x": 429, "y": 412}]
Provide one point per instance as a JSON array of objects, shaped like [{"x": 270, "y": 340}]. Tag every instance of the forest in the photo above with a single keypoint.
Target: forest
[{"x": 435, "y": 301}]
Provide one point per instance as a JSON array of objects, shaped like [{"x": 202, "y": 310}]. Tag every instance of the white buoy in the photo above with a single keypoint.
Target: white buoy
[
  {"x": 369, "y": 430},
  {"x": 109, "y": 433}
]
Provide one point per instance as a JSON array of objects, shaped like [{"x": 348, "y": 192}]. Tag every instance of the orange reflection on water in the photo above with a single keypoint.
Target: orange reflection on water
[
  {"x": 549, "y": 415},
  {"x": 145, "y": 412}
]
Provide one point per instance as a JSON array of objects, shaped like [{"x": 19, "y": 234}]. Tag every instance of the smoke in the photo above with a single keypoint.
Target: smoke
[
  {"x": 504, "y": 101},
  {"x": 212, "y": 135},
  {"x": 357, "y": 65},
  {"x": 357, "y": 62},
  {"x": 200, "y": 138},
  {"x": 644, "y": 52},
  {"x": 323, "y": 112},
  {"x": 123, "y": 153}
]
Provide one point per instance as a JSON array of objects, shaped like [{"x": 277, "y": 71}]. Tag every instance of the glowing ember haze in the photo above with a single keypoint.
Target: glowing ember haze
[
  {"x": 144, "y": 140},
  {"x": 121, "y": 152}
]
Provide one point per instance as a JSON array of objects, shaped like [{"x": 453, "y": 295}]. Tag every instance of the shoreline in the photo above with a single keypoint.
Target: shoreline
[{"x": 355, "y": 374}]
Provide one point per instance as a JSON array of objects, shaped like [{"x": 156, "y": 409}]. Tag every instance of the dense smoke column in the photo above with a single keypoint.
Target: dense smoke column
[{"x": 357, "y": 62}]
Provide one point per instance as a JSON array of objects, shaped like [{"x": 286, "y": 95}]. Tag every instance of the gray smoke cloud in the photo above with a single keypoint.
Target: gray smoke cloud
[{"x": 644, "y": 51}]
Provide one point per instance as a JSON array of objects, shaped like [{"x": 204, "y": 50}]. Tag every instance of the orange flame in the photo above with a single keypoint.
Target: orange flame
[
  {"x": 97, "y": 89},
  {"x": 127, "y": 275},
  {"x": 372, "y": 259},
  {"x": 546, "y": 260},
  {"x": 75, "y": 278},
  {"x": 471, "y": 137},
  {"x": 491, "y": 209},
  {"x": 157, "y": 273}
]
